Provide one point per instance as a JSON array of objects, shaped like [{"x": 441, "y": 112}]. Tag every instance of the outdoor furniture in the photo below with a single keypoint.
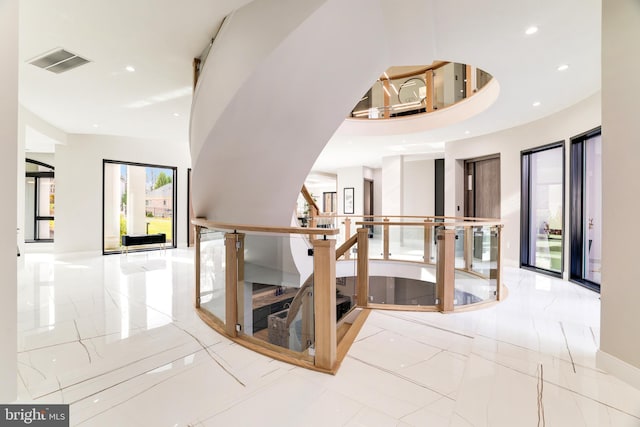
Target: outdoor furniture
[{"x": 143, "y": 239}]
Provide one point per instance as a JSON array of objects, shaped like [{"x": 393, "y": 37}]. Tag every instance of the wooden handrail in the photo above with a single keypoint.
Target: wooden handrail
[
  {"x": 309, "y": 198},
  {"x": 202, "y": 222},
  {"x": 417, "y": 72},
  {"x": 422, "y": 224},
  {"x": 434, "y": 217},
  {"x": 346, "y": 246}
]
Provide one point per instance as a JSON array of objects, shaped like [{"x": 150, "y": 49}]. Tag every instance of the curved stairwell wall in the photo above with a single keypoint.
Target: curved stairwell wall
[{"x": 280, "y": 79}]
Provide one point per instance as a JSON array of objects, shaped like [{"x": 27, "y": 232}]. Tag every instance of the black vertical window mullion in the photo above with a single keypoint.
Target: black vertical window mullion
[
  {"x": 577, "y": 210},
  {"x": 524, "y": 210},
  {"x": 36, "y": 203},
  {"x": 578, "y": 194}
]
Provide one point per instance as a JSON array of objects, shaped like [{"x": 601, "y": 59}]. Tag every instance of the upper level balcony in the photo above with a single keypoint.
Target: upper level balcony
[{"x": 408, "y": 90}]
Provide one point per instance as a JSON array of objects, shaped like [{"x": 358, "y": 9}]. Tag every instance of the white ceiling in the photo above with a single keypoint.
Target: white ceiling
[{"x": 160, "y": 38}]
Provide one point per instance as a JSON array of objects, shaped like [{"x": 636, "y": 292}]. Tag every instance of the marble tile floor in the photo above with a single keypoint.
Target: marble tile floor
[{"x": 117, "y": 338}]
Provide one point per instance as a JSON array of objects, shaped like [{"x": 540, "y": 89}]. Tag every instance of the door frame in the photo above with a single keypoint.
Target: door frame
[
  {"x": 470, "y": 193},
  {"x": 577, "y": 209},
  {"x": 525, "y": 198}
]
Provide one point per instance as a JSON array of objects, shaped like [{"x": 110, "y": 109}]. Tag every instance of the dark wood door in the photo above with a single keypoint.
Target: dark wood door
[{"x": 483, "y": 188}]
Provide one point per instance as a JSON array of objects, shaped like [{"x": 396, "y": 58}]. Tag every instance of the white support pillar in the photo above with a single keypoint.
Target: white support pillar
[
  {"x": 8, "y": 217},
  {"x": 136, "y": 214}
]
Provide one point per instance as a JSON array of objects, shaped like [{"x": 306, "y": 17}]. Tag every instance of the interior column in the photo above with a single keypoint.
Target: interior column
[{"x": 8, "y": 216}]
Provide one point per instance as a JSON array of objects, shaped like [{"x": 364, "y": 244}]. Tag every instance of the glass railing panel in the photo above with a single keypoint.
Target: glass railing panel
[
  {"x": 481, "y": 250},
  {"x": 460, "y": 243},
  {"x": 395, "y": 96},
  {"x": 275, "y": 297},
  {"x": 443, "y": 87},
  {"x": 473, "y": 283},
  {"x": 212, "y": 272},
  {"x": 406, "y": 243},
  {"x": 482, "y": 78},
  {"x": 432, "y": 243},
  {"x": 401, "y": 291},
  {"x": 407, "y": 96},
  {"x": 346, "y": 285}
]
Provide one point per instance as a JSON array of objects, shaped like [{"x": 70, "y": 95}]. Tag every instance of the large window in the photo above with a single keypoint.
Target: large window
[
  {"x": 40, "y": 190},
  {"x": 542, "y": 210},
  {"x": 586, "y": 209},
  {"x": 139, "y": 200}
]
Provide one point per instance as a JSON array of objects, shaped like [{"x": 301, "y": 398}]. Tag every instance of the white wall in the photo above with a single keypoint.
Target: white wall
[
  {"x": 351, "y": 178},
  {"x": 561, "y": 126},
  {"x": 620, "y": 322},
  {"x": 279, "y": 146},
  {"x": 377, "y": 191},
  {"x": 79, "y": 184},
  {"x": 8, "y": 176},
  {"x": 392, "y": 187},
  {"x": 419, "y": 187}
]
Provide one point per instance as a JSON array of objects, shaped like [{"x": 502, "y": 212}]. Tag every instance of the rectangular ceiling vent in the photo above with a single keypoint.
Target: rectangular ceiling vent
[{"x": 58, "y": 61}]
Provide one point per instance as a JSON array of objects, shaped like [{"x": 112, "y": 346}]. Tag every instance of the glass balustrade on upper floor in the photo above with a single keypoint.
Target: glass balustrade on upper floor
[{"x": 408, "y": 90}]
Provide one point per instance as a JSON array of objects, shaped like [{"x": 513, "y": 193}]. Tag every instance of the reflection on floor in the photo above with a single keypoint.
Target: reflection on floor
[{"x": 118, "y": 339}]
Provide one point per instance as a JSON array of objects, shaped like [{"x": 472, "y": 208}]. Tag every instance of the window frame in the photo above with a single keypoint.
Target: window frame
[
  {"x": 174, "y": 219},
  {"x": 525, "y": 201}
]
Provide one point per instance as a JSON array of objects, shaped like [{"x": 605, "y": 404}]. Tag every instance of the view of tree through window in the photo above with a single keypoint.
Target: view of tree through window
[{"x": 138, "y": 200}]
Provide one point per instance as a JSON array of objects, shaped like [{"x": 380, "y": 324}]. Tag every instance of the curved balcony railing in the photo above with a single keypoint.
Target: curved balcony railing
[
  {"x": 300, "y": 294},
  {"x": 403, "y": 91}
]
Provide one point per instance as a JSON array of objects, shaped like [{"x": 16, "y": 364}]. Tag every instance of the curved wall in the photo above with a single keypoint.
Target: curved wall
[
  {"x": 561, "y": 126},
  {"x": 251, "y": 164}
]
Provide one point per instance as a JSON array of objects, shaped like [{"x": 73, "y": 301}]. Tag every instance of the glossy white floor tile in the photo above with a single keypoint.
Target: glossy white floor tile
[{"x": 117, "y": 338}]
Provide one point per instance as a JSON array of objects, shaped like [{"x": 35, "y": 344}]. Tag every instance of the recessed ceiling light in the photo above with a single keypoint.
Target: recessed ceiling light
[
  {"x": 95, "y": 125},
  {"x": 531, "y": 30},
  {"x": 176, "y": 114},
  {"x": 536, "y": 104},
  {"x": 467, "y": 132},
  {"x": 563, "y": 67},
  {"x": 130, "y": 68}
]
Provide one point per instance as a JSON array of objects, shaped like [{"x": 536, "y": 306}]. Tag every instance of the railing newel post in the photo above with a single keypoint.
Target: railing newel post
[
  {"x": 362, "y": 289},
  {"x": 445, "y": 270},
  {"x": 231, "y": 282},
  {"x": 324, "y": 301},
  {"x": 197, "y": 265},
  {"x": 428, "y": 235},
  {"x": 385, "y": 242}
]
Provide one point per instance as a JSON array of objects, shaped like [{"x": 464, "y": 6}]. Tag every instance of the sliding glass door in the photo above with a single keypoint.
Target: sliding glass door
[
  {"x": 586, "y": 209},
  {"x": 138, "y": 200},
  {"x": 542, "y": 210}
]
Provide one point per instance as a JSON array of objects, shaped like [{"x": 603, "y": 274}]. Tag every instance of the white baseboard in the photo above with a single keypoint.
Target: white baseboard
[{"x": 618, "y": 368}]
